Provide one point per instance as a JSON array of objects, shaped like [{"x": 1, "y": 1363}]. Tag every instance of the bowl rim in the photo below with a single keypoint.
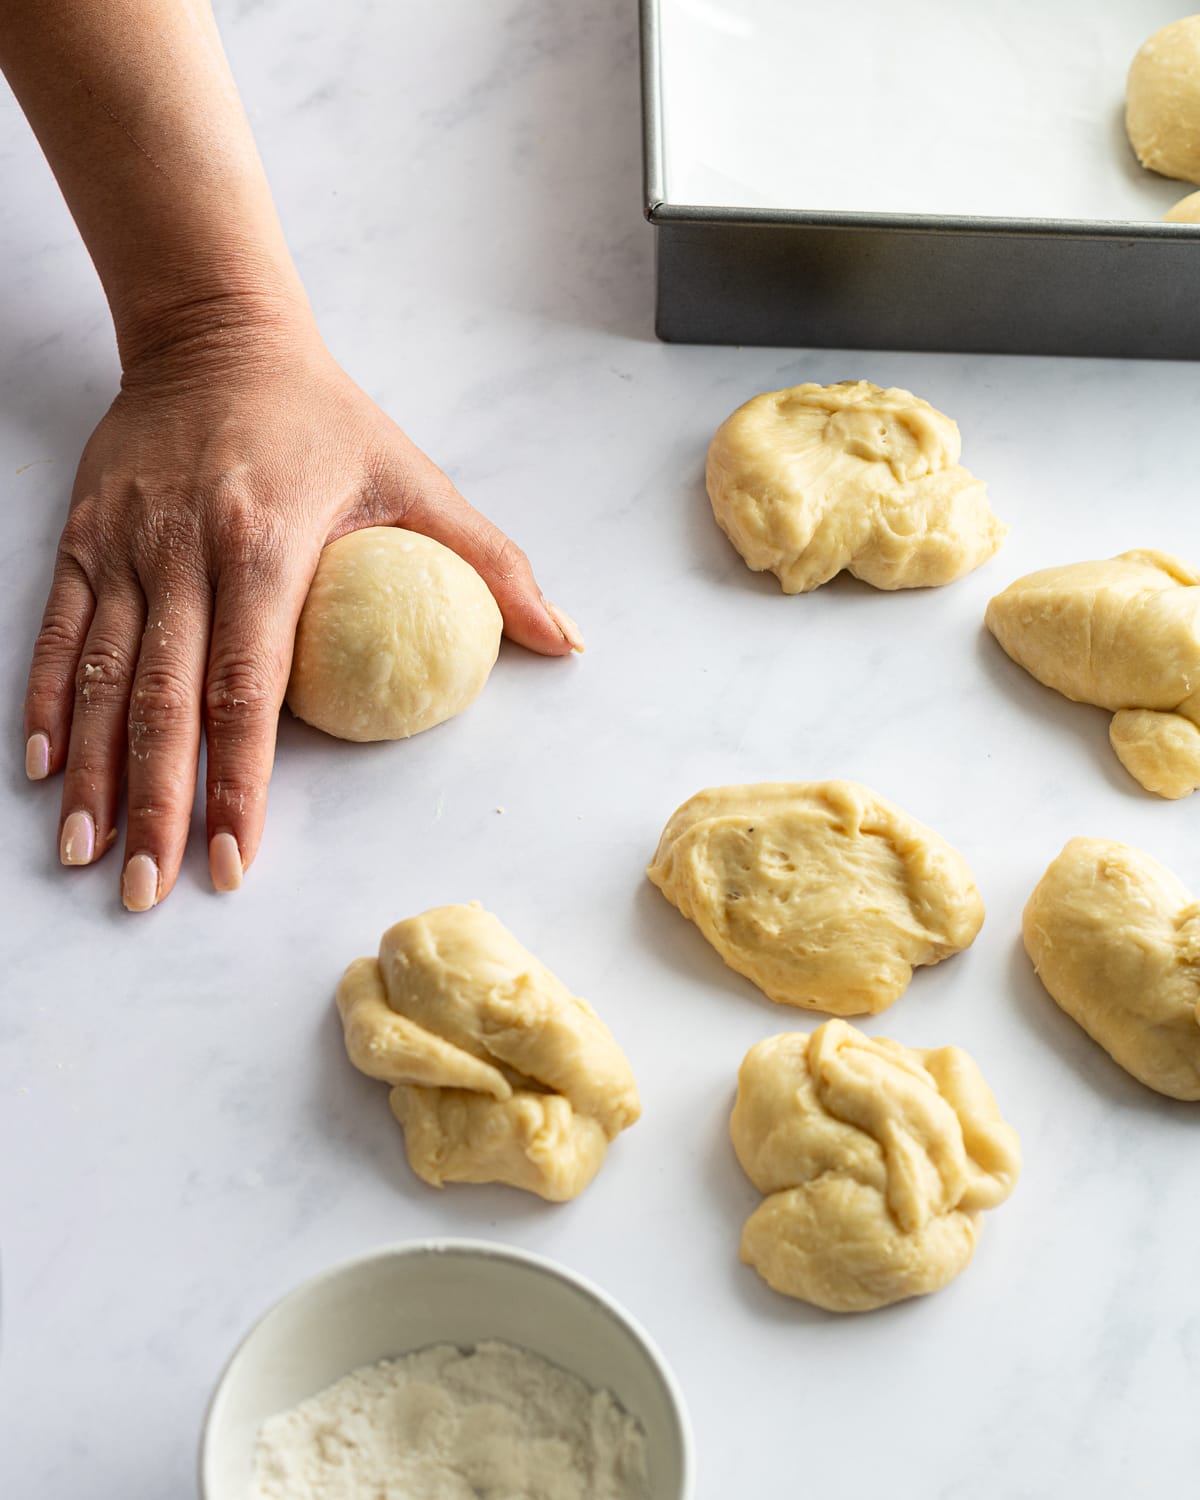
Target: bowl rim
[{"x": 485, "y": 1250}]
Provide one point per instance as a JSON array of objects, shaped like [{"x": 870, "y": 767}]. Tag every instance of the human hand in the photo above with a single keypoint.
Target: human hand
[{"x": 201, "y": 505}]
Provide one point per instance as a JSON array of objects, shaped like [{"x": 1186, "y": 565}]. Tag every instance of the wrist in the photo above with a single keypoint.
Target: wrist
[{"x": 203, "y": 315}]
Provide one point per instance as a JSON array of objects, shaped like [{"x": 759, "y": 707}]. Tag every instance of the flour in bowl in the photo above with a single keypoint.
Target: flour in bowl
[{"x": 491, "y": 1423}]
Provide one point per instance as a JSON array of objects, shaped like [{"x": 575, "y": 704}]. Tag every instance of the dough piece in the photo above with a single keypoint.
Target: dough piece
[
  {"x": 820, "y": 892},
  {"x": 811, "y": 480},
  {"x": 1124, "y": 635},
  {"x": 397, "y": 634},
  {"x": 877, "y": 1161},
  {"x": 1186, "y": 211},
  {"x": 1115, "y": 938},
  {"x": 499, "y": 1073},
  {"x": 1162, "y": 101}
]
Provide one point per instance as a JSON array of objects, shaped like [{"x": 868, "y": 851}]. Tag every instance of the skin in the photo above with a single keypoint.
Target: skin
[{"x": 234, "y": 451}]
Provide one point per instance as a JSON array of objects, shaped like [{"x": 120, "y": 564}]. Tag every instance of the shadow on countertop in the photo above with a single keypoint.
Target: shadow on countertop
[{"x": 1046, "y": 708}]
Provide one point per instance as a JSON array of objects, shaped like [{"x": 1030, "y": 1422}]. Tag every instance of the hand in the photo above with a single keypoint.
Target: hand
[{"x": 200, "y": 509}]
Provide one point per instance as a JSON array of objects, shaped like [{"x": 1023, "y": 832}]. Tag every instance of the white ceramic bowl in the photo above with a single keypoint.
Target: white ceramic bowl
[{"x": 430, "y": 1292}]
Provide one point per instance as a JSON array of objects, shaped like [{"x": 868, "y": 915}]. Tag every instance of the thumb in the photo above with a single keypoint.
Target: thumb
[{"x": 426, "y": 501}]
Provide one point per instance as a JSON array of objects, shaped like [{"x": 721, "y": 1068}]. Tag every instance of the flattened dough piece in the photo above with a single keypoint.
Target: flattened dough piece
[
  {"x": 1162, "y": 101},
  {"x": 499, "y": 1072},
  {"x": 876, "y": 1162},
  {"x": 397, "y": 634},
  {"x": 822, "y": 893},
  {"x": 1123, "y": 634},
  {"x": 1115, "y": 938},
  {"x": 812, "y": 480}
]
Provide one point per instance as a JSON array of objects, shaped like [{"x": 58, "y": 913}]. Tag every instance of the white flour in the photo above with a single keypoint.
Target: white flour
[{"x": 495, "y": 1423}]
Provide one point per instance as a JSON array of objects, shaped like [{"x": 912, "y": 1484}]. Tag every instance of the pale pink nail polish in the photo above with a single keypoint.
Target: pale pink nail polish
[
  {"x": 77, "y": 846},
  {"x": 139, "y": 884},
  {"x": 570, "y": 631},
  {"x": 37, "y": 756},
  {"x": 224, "y": 862}
]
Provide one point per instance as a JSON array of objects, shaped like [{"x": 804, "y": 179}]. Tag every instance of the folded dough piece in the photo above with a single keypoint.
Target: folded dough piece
[
  {"x": 877, "y": 1162},
  {"x": 808, "y": 481},
  {"x": 499, "y": 1073},
  {"x": 822, "y": 893},
  {"x": 1123, "y": 634},
  {"x": 1115, "y": 938}
]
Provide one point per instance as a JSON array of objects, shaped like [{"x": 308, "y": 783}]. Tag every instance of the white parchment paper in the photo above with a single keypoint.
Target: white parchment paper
[{"x": 931, "y": 106}]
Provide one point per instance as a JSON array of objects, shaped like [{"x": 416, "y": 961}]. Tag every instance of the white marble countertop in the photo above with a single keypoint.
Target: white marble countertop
[{"x": 181, "y": 1137}]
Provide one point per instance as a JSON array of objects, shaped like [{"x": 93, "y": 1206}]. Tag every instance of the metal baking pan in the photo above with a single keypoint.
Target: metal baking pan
[{"x": 755, "y": 270}]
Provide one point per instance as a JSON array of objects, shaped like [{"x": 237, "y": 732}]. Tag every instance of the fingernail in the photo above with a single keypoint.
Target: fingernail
[
  {"x": 224, "y": 862},
  {"x": 570, "y": 631},
  {"x": 139, "y": 884},
  {"x": 77, "y": 846},
  {"x": 37, "y": 757}
]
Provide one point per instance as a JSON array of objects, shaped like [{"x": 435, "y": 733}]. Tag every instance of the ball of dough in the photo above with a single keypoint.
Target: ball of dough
[
  {"x": 876, "y": 1160},
  {"x": 1162, "y": 101},
  {"x": 1186, "y": 211},
  {"x": 822, "y": 893},
  {"x": 498, "y": 1072},
  {"x": 811, "y": 480},
  {"x": 1115, "y": 938},
  {"x": 1123, "y": 634},
  {"x": 397, "y": 634}
]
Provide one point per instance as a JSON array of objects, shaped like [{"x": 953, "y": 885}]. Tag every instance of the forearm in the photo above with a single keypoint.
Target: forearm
[{"x": 136, "y": 110}]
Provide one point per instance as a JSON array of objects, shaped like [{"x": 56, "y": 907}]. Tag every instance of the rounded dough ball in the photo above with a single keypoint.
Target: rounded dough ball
[
  {"x": 1162, "y": 101},
  {"x": 397, "y": 634},
  {"x": 1186, "y": 211}
]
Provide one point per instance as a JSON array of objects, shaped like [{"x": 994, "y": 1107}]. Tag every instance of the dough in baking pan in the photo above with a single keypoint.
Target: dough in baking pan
[
  {"x": 1162, "y": 101},
  {"x": 1186, "y": 211}
]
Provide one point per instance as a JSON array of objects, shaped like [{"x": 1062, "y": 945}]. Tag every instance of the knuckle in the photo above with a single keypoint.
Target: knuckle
[
  {"x": 168, "y": 530},
  {"x": 161, "y": 688},
  {"x": 92, "y": 772},
  {"x": 56, "y": 642},
  {"x": 159, "y": 704},
  {"x": 80, "y": 542},
  {"x": 86, "y": 768},
  {"x": 237, "y": 690},
  {"x": 101, "y": 675},
  {"x": 153, "y": 809},
  {"x": 46, "y": 695},
  {"x": 504, "y": 557},
  {"x": 391, "y": 484},
  {"x": 235, "y": 793},
  {"x": 254, "y": 538}
]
